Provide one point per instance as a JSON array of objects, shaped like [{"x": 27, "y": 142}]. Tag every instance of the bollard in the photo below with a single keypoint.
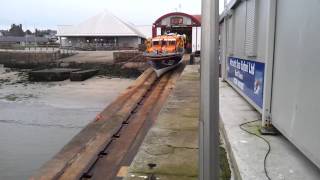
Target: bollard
[{"x": 191, "y": 59}]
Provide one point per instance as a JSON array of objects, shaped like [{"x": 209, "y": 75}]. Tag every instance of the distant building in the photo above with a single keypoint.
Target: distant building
[
  {"x": 16, "y": 30},
  {"x": 26, "y": 40},
  {"x": 4, "y": 32},
  {"x": 103, "y": 31}
]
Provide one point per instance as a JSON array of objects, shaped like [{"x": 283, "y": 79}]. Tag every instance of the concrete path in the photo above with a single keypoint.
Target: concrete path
[
  {"x": 247, "y": 151},
  {"x": 172, "y": 143}
]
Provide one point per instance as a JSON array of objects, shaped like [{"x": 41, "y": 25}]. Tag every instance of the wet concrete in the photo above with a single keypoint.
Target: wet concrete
[
  {"x": 38, "y": 119},
  {"x": 54, "y": 74},
  {"x": 83, "y": 75}
]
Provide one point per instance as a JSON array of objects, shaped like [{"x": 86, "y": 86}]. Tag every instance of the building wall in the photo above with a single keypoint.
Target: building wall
[
  {"x": 237, "y": 31},
  {"x": 129, "y": 42},
  {"x": 245, "y": 39},
  {"x": 295, "y": 98},
  {"x": 121, "y": 42},
  {"x": 196, "y": 39},
  {"x": 294, "y": 63}
]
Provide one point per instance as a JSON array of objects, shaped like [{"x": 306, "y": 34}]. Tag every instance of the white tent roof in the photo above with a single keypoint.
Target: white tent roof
[
  {"x": 146, "y": 30},
  {"x": 103, "y": 24}
]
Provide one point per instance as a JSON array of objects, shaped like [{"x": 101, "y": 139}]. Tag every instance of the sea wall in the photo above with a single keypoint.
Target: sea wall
[
  {"x": 28, "y": 59},
  {"x": 125, "y": 56}
]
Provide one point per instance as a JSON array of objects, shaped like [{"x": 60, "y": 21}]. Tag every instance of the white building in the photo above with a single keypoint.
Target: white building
[{"x": 103, "y": 31}]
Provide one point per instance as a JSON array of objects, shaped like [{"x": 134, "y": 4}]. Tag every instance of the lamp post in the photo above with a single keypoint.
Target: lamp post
[{"x": 209, "y": 112}]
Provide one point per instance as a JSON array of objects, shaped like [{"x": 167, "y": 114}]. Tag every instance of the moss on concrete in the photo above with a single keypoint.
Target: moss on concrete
[
  {"x": 253, "y": 127},
  {"x": 225, "y": 172}
]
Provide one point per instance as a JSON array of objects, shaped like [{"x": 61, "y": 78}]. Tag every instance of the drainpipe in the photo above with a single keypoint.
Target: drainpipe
[{"x": 270, "y": 45}]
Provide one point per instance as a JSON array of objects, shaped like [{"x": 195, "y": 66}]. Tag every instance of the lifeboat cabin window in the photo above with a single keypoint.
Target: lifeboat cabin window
[
  {"x": 156, "y": 43},
  {"x": 172, "y": 43}
]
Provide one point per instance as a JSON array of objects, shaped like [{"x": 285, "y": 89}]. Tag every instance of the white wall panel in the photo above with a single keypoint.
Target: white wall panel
[
  {"x": 296, "y": 84},
  {"x": 196, "y": 38},
  {"x": 230, "y": 35}
]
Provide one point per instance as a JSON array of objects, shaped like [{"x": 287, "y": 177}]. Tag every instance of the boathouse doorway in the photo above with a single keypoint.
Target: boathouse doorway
[{"x": 181, "y": 23}]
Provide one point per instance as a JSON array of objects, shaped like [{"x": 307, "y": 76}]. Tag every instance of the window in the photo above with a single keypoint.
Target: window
[
  {"x": 176, "y": 20},
  {"x": 155, "y": 43},
  {"x": 172, "y": 43}
]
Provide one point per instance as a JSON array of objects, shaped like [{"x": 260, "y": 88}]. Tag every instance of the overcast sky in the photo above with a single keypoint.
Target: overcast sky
[{"x": 50, "y": 13}]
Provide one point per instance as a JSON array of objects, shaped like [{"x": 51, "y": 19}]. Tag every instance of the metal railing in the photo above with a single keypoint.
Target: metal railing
[{"x": 55, "y": 48}]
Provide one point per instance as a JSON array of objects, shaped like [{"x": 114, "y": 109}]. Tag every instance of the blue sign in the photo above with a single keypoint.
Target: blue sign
[{"x": 248, "y": 76}]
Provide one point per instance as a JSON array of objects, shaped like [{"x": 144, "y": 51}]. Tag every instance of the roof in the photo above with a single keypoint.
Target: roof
[
  {"x": 103, "y": 24},
  {"x": 22, "y": 39},
  {"x": 227, "y": 11},
  {"x": 194, "y": 18},
  {"x": 197, "y": 17},
  {"x": 146, "y": 30}
]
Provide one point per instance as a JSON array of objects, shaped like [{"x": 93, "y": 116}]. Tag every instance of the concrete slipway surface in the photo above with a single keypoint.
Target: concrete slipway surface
[{"x": 172, "y": 142}]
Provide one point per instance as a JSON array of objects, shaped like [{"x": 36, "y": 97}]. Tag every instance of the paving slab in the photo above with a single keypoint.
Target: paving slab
[{"x": 247, "y": 152}]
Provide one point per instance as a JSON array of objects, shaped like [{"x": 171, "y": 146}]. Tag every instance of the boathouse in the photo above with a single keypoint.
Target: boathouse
[
  {"x": 181, "y": 23},
  {"x": 104, "y": 31}
]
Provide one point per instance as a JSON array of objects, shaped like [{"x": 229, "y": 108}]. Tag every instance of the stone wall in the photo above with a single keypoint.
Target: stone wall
[
  {"x": 125, "y": 56},
  {"x": 22, "y": 59}
]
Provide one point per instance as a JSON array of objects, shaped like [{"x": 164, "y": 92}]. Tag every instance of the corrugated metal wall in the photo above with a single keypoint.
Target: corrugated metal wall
[{"x": 251, "y": 29}]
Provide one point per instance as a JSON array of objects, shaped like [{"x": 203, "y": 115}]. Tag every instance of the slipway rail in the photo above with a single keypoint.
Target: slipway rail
[{"x": 113, "y": 138}]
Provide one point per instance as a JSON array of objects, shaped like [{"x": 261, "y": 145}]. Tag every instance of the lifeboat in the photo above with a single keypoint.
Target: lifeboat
[{"x": 164, "y": 52}]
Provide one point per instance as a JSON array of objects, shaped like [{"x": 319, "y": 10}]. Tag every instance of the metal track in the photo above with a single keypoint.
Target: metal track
[
  {"x": 125, "y": 143},
  {"x": 115, "y": 153}
]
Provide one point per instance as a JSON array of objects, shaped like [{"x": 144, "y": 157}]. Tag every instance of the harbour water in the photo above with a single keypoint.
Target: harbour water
[{"x": 38, "y": 119}]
